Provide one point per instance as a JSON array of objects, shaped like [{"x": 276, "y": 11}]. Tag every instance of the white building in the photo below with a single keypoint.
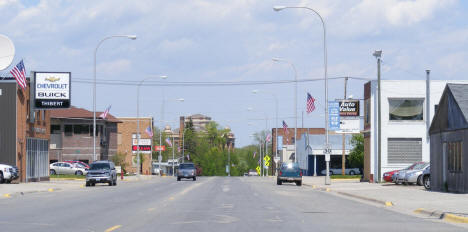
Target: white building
[{"x": 405, "y": 121}]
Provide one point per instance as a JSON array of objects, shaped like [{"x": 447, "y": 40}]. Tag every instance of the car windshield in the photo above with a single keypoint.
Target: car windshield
[
  {"x": 186, "y": 166},
  {"x": 289, "y": 166},
  {"x": 419, "y": 166},
  {"x": 98, "y": 166}
]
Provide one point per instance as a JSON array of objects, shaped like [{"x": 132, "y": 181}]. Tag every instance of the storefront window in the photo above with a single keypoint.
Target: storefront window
[{"x": 406, "y": 109}]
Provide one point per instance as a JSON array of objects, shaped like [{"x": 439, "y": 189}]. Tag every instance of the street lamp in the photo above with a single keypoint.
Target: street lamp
[
  {"x": 295, "y": 102},
  {"x": 132, "y": 37},
  {"x": 138, "y": 119},
  {"x": 327, "y": 145},
  {"x": 378, "y": 56},
  {"x": 255, "y": 91}
]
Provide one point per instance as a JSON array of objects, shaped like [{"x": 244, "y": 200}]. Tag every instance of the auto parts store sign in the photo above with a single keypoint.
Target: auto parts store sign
[
  {"x": 349, "y": 107},
  {"x": 52, "y": 90}
]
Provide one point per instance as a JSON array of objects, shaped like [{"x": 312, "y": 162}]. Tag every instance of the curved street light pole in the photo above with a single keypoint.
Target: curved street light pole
[
  {"x": 327, "y": 146},
  {"x": 295, "y": 102},
  {"x": 132, "y": 37},
  {"x": 138, "y": 121}
]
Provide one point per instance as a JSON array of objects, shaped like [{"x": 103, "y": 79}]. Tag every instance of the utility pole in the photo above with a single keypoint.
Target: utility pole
[
  {"x": 378, "y": 55},
  {"x": 343, "y": 155}
]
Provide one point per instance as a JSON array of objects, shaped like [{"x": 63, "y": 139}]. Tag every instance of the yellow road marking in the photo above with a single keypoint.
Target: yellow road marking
[
  {"x": 7, "y": 195},
  {"x": 388, "y": 203},
  {"x": 50, "y": 190},
  {"x": 113, "y": 228}
]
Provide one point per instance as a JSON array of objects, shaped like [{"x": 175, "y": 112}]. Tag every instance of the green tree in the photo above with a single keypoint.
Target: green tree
[
  {"x": 119, "y": 160},
  {"x": 356, "y": 156}
]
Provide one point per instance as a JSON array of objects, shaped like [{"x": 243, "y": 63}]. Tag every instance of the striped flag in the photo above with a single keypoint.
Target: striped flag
[
  {"x": 104, "y": 114},
  {"x": 149, "y": 132},
  {"x": 255, "y": 153},
  {"x": 188, "y": 156},
  {"x": 268, "y": 138},
  {"x": 168, "y": 141},
  {"x": 19, "y": 72},
  {"x": 310, "y": 103},
  {"x": 178, "y": 149},
  {"x": 285, "y": 128}
]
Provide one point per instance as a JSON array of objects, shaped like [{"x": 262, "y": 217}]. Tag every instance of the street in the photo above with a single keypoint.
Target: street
[{"x": 208, "y": 204}]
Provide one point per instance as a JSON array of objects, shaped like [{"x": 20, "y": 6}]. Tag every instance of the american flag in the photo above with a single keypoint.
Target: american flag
[
  {"x": 178, "y": 149},
  {"x": 188, "y": 156},
  {"x": 149, "y": 132},
  {"x": 285, "y": 128},
  {"x": 255, "y": 153},
  {"x": 268, "y": 138},
  {"x": 19, "y": 72},
  {"x": 168, "y": 141},
  {"x": 105, "y": 113},
  {"x": 310, "y": 103}
]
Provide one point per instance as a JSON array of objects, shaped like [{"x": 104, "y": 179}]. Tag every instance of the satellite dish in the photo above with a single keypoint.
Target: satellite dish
[{"x": 7, "y": 52}]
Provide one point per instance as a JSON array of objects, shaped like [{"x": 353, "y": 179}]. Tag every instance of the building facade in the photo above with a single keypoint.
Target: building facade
[
  {"x": 449, "y": 141},
  {"x": 24, "y": 133},
  {"x": 72, "y": 135},
  {"x": 127, "y": 141},
  {"x": 406, "y": 113}
]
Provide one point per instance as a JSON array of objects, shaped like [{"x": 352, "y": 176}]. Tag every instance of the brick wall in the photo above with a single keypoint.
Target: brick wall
[{"x": 125, "y": 131}]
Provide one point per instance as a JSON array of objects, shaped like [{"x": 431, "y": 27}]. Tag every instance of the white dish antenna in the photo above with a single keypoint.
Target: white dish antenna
[{"x": 7, "y": 52}]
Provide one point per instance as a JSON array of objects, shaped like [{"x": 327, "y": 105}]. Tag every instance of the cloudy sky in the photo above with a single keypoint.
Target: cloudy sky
[{"x": 233, "y": 41}]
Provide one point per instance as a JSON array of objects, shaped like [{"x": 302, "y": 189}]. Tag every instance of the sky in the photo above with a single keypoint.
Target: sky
[{"x": 233, "y": 41}]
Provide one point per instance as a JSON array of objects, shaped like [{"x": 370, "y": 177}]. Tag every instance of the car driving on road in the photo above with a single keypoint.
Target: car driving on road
[
  {"x": 289, "y": 172},
  {"x": 188, "y": 171},
  {"x": 101, "y": 172}
]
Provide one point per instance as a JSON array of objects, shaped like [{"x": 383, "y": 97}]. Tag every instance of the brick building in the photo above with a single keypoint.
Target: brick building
[
  {"x": 127, "y": 131},
  {"x": 24, "y": 133},
  {"x": 72, "y": 135}
]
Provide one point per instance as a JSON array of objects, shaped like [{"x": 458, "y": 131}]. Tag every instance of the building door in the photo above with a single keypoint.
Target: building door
[{"x": 37, "y": 159}]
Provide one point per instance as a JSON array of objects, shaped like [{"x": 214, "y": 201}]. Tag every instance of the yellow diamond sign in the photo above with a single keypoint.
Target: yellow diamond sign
[{"x": 258, "y": 170}]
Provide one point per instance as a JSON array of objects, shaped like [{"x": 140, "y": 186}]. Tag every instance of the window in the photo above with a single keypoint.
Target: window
[
  {"x": 68, "y": 130},
  {"x": 405, "y": 109},
  {"x": 55, "y": 129},
  {"x": 455, "y": 152},
  {"x": 80, "y": 129}
]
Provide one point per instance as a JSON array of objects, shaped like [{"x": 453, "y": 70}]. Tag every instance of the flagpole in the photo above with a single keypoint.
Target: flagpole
[{"x": 173, "y": 155}]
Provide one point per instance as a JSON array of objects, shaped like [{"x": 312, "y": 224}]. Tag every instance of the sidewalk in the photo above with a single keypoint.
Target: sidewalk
[
  {"x": 411, "y": 199},
  {"x": 55, "y": 184}
]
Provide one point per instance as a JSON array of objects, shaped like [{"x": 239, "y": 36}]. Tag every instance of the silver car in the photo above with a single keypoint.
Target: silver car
[
  {"x": 67, "y": 168},
  {"x": 411, "y": 174},
  {"x": 415, "y": 176}
]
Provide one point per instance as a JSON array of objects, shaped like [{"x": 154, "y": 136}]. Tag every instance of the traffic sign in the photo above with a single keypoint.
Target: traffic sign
[
  {"x": 258, "y": 170},
  {"x": 333, "y": 115}
]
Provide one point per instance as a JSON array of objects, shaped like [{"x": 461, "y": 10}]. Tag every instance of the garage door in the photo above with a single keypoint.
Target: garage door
[{"x": 404, "y": 150}]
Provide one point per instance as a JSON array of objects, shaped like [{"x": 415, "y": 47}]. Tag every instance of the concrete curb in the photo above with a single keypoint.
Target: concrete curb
[
  {"x": 450, "y": 217},
  {"x": 17, "y": 194},
  {"x": 385, "y": 203},
  {"x": 59, "y": 179}
]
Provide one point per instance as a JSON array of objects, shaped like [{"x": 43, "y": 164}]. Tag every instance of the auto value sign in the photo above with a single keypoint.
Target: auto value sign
[
  {"x": 349, "y": 107},
  {"x": 52, "y": 90}
]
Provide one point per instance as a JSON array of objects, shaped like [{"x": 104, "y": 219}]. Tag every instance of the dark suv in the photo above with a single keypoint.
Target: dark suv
[
  {"x": 101, "y": 172},
  {"x": 187, "y": 170}
]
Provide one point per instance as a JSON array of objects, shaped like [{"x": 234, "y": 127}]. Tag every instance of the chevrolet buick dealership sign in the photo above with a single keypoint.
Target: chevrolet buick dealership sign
[{"x": 52, "y": 90}]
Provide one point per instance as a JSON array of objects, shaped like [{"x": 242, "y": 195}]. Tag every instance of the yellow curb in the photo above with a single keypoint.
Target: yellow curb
[
  {"x": 454, "y": 218},
  {"x": 327, "y": 189},
  {"x": 82, "y": 186},
  {"x": 388, "y": 203},
  {"x": 314, "y": 186},
  {"x": 50, "y": 190},
  {"x": 7, "y": 195},
  {"x": 113, "y": 228}
]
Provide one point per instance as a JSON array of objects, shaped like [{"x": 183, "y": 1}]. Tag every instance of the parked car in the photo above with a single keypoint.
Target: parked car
[
  {"x": 187, "y": 170},
  {"x": 388, "y": 176},
  {"x": 155, "y": 170},
  {"x": 289, "y": 172},
  {"x": 415, "y": 176},
  {"x": 426, "y": 178},
  {"x": 400, "y": 176},
  {"x": 85, "y": 165},
  {"x": 59, "y": 168},
  {"x": 101, "y": 172},
  {"x": 8, "y": 173},
  {"x": 337, "y": 171},
  {"x": 253, "y": 172}
]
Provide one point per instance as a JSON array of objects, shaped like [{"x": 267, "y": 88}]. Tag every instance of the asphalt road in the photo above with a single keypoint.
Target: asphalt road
[{"x": 208, "y": 204}]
